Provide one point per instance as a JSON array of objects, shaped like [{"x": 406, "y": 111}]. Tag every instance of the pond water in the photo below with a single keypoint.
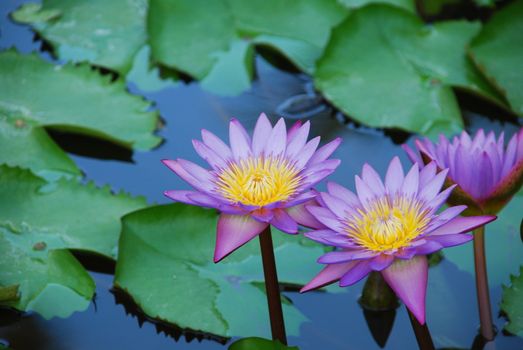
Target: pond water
[{"x": 336, "y": 321}]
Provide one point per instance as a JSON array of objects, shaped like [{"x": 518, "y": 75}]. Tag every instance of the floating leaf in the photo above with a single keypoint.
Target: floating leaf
[
  {"x": 31, "y": 147},
  {"x": 408, "y": 5},
  {"x": 503, "y": 256},
  {"x": 259, "y": 344},
  {"x": 105, "y": 33},
  {"x": 498, "y": 52},
  {"x": 512, "y": 303},
  {"x": 165, "y": 264},
  {"x": 214, "y": 39},
  {"x": 9, "y": 293},
  {"x": 38, "y": 222},
  {"x": 71, "y": 98},
  {"x": 50, "y": 282},
  {"x": 75, "y": 216},
  {"x": 385, "y": 68}
]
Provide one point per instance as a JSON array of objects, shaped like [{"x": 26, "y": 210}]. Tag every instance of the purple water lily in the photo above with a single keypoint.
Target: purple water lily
[
  {"x": 388, "y": 227},
  {"x": 486, "y": 171},
  {"x": 255, "y": 182}
]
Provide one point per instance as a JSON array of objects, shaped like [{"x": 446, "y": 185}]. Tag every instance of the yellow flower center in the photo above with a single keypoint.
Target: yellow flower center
[
  {"x": 388, "y": 224},
  {"x": 258, "y": 181}
]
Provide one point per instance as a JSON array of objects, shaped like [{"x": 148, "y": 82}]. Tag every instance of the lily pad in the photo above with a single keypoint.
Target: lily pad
[
  {"x": 498, "y": 52},
  {"x": 105, "y": 33},
  {"x": 502, "y": 245},
  {"x": 259, "y": 344},
  {"x": 73, "y": 98},
  {"x": 214, "y": 38},
  {"x": 31, "y": 147},
  {"x": 512, "y": 304},
  {"x": 385, "y": 68},
  {"x": 165, "y": 264},
  {"x": 408, "y": 5},
  {"x": 64, "y": 214}
]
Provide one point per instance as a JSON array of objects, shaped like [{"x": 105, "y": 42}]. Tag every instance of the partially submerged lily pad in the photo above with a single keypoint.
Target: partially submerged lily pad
[
  {"x": 165, "y": 264},
  {"x": 512, "y": 304},
  {"x": 498, "y": 52},
  {"x": 38, "y": 223},
  {"x": 385, "y": 68},
  {"x": 73, "y": 98},
  {"x": 259, "y": 344}
]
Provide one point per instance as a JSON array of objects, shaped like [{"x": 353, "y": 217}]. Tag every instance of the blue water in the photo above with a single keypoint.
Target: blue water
[{"x": 336, "y": 320}]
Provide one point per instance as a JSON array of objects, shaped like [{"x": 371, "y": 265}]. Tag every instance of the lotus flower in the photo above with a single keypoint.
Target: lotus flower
[
  {"x": 255, "y": 182},
  {"x": 487, "y": 173},
  {"x": 388, "y": 227}
]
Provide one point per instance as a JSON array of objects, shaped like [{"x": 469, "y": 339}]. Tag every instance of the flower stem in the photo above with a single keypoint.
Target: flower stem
[
  {"x": 482, "y": 288},
  {"x": 422, "y": 333},
  {"x": 272, "y": 287}
]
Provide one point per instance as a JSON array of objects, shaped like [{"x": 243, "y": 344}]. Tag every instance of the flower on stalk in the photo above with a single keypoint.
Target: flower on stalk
[
  {"x": 487, "y": 172},
  {"x": 255, "y": 182},
  {"x": 388, "y": 227}
]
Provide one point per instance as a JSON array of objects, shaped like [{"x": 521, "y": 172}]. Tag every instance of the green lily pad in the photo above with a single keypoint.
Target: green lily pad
[
  {"x": 64, "y": 214},
  {"x": 51, "y": 281},
  {"x": 31, "y": 147},
  {"x": 165, "y": 264},
  {"x": 9, "y": 293},
  {"x": 512, "y": 304},
  {"x": 221, "y": 47},
  {"x": 259, "y": 344},
  {"x": 498, "y": 52},
  {"x": 408, "y": 5},
  {"x": 385, "y": 68},
  {"x": 73, "y": 98},
  {"x": 503, "y": 247},
  {"x": 38, "y": 223},
  {"x": 105, "y": 33}
]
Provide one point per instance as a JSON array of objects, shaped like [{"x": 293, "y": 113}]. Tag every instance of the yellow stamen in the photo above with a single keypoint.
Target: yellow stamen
[
  {"x": 258, "y": 181},
  {"x": 388, "y": 224}
]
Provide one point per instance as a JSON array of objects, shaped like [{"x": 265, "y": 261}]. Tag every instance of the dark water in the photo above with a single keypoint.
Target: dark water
[{"x": 336, "y": 320}]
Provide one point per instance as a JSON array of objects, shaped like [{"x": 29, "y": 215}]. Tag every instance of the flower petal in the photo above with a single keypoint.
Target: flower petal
[
  {"x": 209, "y": 155},
  {"x": 326, "y": 217},
  {"x": 213, "y": 142},
  {"x": 239, "y": 140},
  {"x": 325, "y": 151},
  {"x": 234, "y": 231},
  {"x": 329, "y": 237},
  {"x": 408, "y": 279},
  {"x": 306, "y": 153},
  {"x": 410, "y": 185},
  {"x": 394, "y": 177},
  {"x": 336, "y": 205},
  {"x": 462, "y": 224},
  {"x": 344, "y": 194},
  {"x": 431, "y": 189},
  {"x": 277, "y": 140},
  {"x": 180, "y": 196},
  {"x": 451, "y": 240},
  {"x": 355, "y": 274},
  {"x": 177, "y": 167},
  {"x": 262, "y": 214},
  {"x": 345, "y": 255},
  {"x": 284, "y": 222},
  {"x": 301, "y": 215},
  {"x": 373, "y": 180},
  {"x": 331, "y": 273},
  {"x": 298, "y": 141},
  {"x": 381, "y": 262},
  {"x": 261, "y": 133}
]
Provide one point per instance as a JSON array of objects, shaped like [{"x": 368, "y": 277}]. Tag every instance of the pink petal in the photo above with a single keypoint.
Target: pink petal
[
  {"x": 408, "y": 279},
  {"x": 414, "y": 156},
  {"x": 210, "y": 156},
  {"x": 310, "y": 180},
  {"x": 306, "y": 152},
  {"x": 431, "y": 189},
  {"x": 291, "y": 133},
  {"x": 239, "y": 140},
  {"x": 345, "y": 255},
  {"x": 427, "y": 173},
  {"x": 356, "y": 273},
  {"x": 277, "y": 140},
  {"x": 445, "y": 216},
  {"x": 298, "y": 141},
  {"x": 326, "y": 217},
  {"x": 451, "y": 240},
  {"x": 331, "y": 273},
  {"x": 381, "y": 262},
  {"x": 325, "y": 151},
  {"x": 365, "y": 194},
  {"x": 462, "y": 224},
  {"x": 182, "y": 172},
  {"x": 302, "y": 216},
  {"x": 234, "y": 231},
  {"x": 213, "y": 142},
  {"x": 300, "y": 199},
  {"x": 336, "y": 205},
  {"x": 411, "y": 182},
  {"x": 394, "y": 177},
  {"x": 373, "y": 180},
  {"x": 180, "y": 196},
  {"x": 344, "y": 194},
  {"x": 262, "y": 214},
  {"x": 262, "y": 130},
  {"x": 329, "y": 237},
  {"x": 284, "y": 222}
]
